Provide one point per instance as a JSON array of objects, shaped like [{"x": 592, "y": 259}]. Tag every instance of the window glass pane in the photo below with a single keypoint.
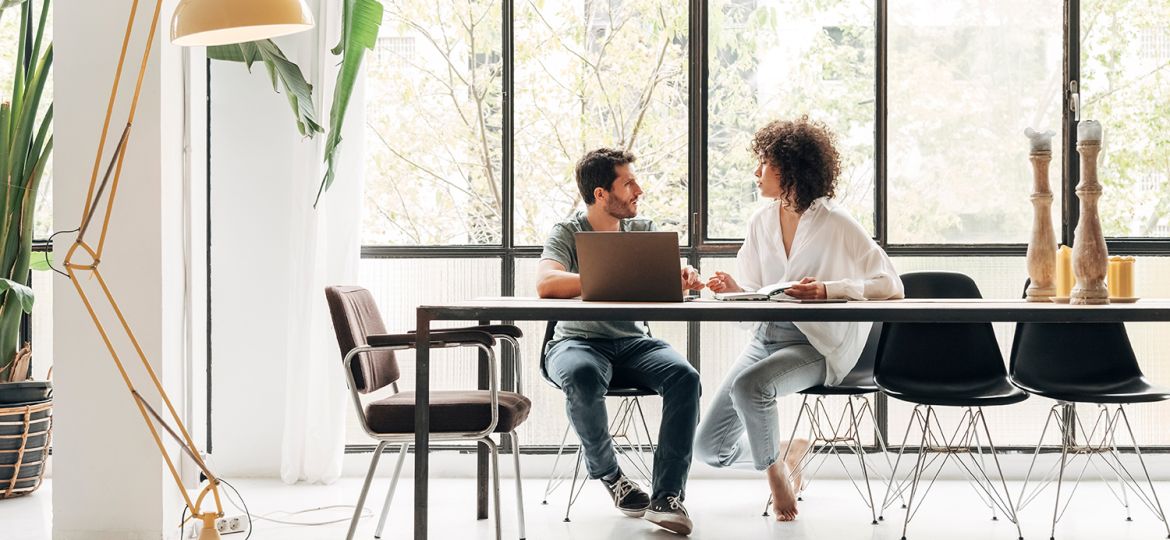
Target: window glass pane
[
  {"x": 433, "y": 101},
  {"x": 401, "y": 285},
  {"x": 547, "y": 424},
  {"x": 780, "y": 60},
  {"x": 1125, "y": 71},
  {"x": 964, "y": 83},
  {"x": 592, "y": 74}
]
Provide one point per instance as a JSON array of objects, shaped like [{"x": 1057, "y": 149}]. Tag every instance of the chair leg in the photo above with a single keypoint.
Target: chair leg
[
  {"x": 919, "y": 465},
  {"x": 549, "y": 486},
  {"x": 495, "y": 455},
  {"x": 1160, "y": 514},
  {"x": 573, "y": 486},
  {"x": 393, "y": 484},
  {"x": 861, "y": 460},
  {"x": 1065, "y": 435},
  {"x": 519, "y": 483},
  {"x": 357, "y": 511},
  {"x": 894, "y": 469},
  {"x": 1008, "y": 507}
]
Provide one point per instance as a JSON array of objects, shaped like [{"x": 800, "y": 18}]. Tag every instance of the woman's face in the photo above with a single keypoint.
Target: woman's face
[{"x": 768, "y": 180}]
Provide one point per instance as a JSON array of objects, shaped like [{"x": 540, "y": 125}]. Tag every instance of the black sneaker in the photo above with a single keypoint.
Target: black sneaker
[
  {"x": 627, "y": 496},
  {"x": 669, "y": 513}
]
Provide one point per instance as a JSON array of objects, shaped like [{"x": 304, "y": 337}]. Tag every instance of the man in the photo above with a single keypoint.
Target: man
[{"x": 583, "y": 357}]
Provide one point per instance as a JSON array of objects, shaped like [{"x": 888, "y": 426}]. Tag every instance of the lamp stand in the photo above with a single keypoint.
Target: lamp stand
[{"x": 89, "y": 266}]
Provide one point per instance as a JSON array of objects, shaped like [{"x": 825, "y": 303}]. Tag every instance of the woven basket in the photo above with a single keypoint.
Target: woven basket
[{"x": 25, "y": 434}]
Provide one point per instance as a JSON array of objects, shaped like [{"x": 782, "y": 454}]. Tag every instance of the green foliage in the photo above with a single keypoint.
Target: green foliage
[
  {"x": 361, "y": 21},
  {"x": 283, "y": 73},
  {"x": 26, "y": 142}
]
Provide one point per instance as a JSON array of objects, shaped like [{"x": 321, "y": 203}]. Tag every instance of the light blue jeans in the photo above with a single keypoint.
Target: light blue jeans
[{"x": 741, "y": 426}]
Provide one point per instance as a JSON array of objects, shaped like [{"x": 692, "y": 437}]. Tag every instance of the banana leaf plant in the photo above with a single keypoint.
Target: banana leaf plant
[
  {"x": 361, "y": 20},
  {"x": 26, "y": 142}
]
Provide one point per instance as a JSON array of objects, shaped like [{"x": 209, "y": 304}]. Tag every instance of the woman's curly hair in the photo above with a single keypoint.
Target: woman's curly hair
[{"x": 804, "y": 154}]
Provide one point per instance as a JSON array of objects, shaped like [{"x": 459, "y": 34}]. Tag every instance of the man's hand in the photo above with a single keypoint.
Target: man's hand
[
  {"x": 808, "y": 289},
  {"x": 690, "y": 279},
  {"x": 723, "y": 282}
]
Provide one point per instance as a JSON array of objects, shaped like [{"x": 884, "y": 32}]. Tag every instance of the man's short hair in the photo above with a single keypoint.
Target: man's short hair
[{"x": 598, "y": 170}]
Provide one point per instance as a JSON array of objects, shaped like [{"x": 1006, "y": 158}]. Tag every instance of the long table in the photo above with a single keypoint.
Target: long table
[{"x": 916, "y": 310}]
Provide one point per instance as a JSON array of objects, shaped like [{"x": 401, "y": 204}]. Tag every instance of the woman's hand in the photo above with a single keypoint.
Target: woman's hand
[
  {"x": 808, "y": 289},
  {"x": 723, "y": 282}
]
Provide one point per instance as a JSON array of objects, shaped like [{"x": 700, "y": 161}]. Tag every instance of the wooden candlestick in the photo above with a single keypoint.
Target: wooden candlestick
[
  {"x": 1090, "y": 256},
  {"x": 1042, "y": 247}
]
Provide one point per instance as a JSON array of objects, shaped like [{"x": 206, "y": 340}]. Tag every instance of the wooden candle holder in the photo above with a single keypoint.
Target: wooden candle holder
[
  {"x": 1042, "y": 246},
  {"x": 1090, "y": 256}
]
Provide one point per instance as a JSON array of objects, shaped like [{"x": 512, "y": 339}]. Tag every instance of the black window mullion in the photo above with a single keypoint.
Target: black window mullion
[
  {"x": 881, "y": 30},
  {"x": 1072, "y": 72}
]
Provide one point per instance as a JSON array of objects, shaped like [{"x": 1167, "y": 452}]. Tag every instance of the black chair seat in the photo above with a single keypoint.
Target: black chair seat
[
  {"x": 629, "y": 391},
  {"x": 1131, "y": 391},
  {"x": 464, "y": 411},
  {"x": 846, "y": 388},
  {"x": 979, "y": 393}
]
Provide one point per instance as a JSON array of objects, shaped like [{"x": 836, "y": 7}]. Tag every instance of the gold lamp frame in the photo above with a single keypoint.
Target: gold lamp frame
[{"x": 196, "y": 22}]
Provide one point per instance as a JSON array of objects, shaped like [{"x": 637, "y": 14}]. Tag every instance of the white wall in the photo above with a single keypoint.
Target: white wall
[{"x": 109, "y": 479}]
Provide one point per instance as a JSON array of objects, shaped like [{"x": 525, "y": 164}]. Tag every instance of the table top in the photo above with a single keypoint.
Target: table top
[{"x": 907, "y": 310}]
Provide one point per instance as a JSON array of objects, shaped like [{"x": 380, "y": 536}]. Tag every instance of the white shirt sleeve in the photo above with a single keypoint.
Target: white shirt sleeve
[{"x": 880, "y": 281}]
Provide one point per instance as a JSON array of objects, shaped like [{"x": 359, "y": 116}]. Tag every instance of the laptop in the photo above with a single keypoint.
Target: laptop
[{"x": 629, "y": 266}]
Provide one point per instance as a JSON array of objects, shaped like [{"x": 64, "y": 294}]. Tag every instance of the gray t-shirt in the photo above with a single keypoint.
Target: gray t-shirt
[{"x": 561, "y": 247}]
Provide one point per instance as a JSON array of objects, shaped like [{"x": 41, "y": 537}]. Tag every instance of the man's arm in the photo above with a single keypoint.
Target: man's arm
[{"x": 552, "y": 281}]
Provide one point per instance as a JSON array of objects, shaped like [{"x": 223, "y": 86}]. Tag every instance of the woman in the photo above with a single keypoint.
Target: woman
[{"x": 803, "y": 236}]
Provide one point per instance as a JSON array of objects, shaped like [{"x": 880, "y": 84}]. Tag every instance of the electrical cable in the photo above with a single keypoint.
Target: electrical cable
[
  {"x": 366, "y": 512},
  {"x": 49, "y": 260}
]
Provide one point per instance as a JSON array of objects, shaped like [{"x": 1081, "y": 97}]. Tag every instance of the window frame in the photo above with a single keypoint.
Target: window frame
[{"x": 701, "y": 245}]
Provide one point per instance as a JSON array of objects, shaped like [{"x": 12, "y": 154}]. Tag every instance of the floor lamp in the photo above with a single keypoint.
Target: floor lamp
[{"x": 195, "y": 23}]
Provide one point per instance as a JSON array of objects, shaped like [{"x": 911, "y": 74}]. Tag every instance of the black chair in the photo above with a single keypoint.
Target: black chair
[
  {"x": 826, "y": 434},
  {"x": 456, "y": 415},
  {"x": 952, "y": 365},
  {"x": 624, "y": 426},
  {"x": 1090, "y": 363}
]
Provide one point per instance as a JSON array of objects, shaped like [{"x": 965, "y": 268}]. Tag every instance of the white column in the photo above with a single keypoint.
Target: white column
[{"x": 109, "y": 479}]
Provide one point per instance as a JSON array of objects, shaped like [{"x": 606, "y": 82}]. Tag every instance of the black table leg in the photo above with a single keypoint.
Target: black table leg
[
  {"x": 422, "y": 422},
  {"x": 481, "y": 452}
]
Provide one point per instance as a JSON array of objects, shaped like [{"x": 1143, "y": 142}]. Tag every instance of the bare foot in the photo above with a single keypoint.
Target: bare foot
[
  {"x": 783, "y": 497},
  {"x": 796, "y": 450}
]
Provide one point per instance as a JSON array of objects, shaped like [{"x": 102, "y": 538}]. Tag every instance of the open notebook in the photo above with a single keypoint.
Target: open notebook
[{"x": 774, "y": 293}]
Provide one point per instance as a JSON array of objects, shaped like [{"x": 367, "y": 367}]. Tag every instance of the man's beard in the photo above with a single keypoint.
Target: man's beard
[{"x": 620, "y": 209}]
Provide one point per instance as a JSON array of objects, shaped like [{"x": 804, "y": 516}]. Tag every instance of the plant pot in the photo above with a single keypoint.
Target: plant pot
[
  {"x": 25, "y": 436},
  {"x": 18, "y": 393}
]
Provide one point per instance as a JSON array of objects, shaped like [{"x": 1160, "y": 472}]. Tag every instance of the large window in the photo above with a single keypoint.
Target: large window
[{"x": 478, "y": 110}]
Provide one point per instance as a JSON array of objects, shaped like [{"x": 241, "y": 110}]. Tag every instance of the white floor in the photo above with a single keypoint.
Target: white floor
[{"x": 722, "y": 509}]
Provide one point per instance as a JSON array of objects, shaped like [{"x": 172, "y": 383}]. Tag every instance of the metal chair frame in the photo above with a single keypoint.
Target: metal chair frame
[
  {"x": 404, "y": 440},
  {"x": 1099, "y": 441},
  {"x": 828, "y": 437},
  {"x": 964, "y": 442}
]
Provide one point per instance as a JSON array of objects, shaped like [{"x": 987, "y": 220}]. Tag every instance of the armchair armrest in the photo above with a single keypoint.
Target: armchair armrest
[
  {"x": 447, "y": 337},
  {"x": 496, "y": 330}
]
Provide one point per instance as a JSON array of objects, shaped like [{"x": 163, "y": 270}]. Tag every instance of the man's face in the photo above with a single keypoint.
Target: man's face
[{"x": 621, "y": 201}]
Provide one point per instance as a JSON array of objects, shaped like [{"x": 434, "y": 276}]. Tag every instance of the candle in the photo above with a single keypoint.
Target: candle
[
  {"x": 1125, "y": 271},
  {"x": 1041, "y": 142},
  {"x": 1088, "y": 131},
  {"x": 1064, "y": 275},
  {"x": 1113, "y": 277}
]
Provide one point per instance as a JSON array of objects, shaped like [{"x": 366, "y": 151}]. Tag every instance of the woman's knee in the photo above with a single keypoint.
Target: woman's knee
[{"x": 746, "y": 391}]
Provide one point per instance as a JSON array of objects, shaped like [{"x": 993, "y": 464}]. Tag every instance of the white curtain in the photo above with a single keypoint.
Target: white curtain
[{"x": 325, "y": 251}]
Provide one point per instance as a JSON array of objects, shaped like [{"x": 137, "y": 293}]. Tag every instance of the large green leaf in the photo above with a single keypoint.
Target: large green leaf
[
  {"x": 361, "y": 21},
  {"x": 23, "y": 293},
  {"x": 283, "y": 72}
]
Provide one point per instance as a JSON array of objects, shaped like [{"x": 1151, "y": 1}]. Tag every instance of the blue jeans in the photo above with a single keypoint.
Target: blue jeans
[
  {"x": 741, "y": 425},
  {"x": 583, "y": 368}
]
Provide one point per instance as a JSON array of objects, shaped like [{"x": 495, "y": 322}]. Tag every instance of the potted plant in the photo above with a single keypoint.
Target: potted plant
[{"x": 26, "y": 142}]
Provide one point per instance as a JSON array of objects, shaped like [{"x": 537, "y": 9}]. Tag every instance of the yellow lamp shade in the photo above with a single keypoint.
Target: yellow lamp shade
[{"x": 224, "y": 22}]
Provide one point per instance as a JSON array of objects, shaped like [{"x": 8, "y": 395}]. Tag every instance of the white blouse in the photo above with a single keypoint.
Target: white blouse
[{"x": 832, "y": 247}]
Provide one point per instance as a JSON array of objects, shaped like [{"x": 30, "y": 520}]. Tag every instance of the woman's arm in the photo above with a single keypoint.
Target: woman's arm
[{"x": 880, "y": 280}]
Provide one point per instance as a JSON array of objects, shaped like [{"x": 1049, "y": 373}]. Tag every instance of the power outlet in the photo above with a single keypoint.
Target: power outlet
[{"x": 232, "y": 524}]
